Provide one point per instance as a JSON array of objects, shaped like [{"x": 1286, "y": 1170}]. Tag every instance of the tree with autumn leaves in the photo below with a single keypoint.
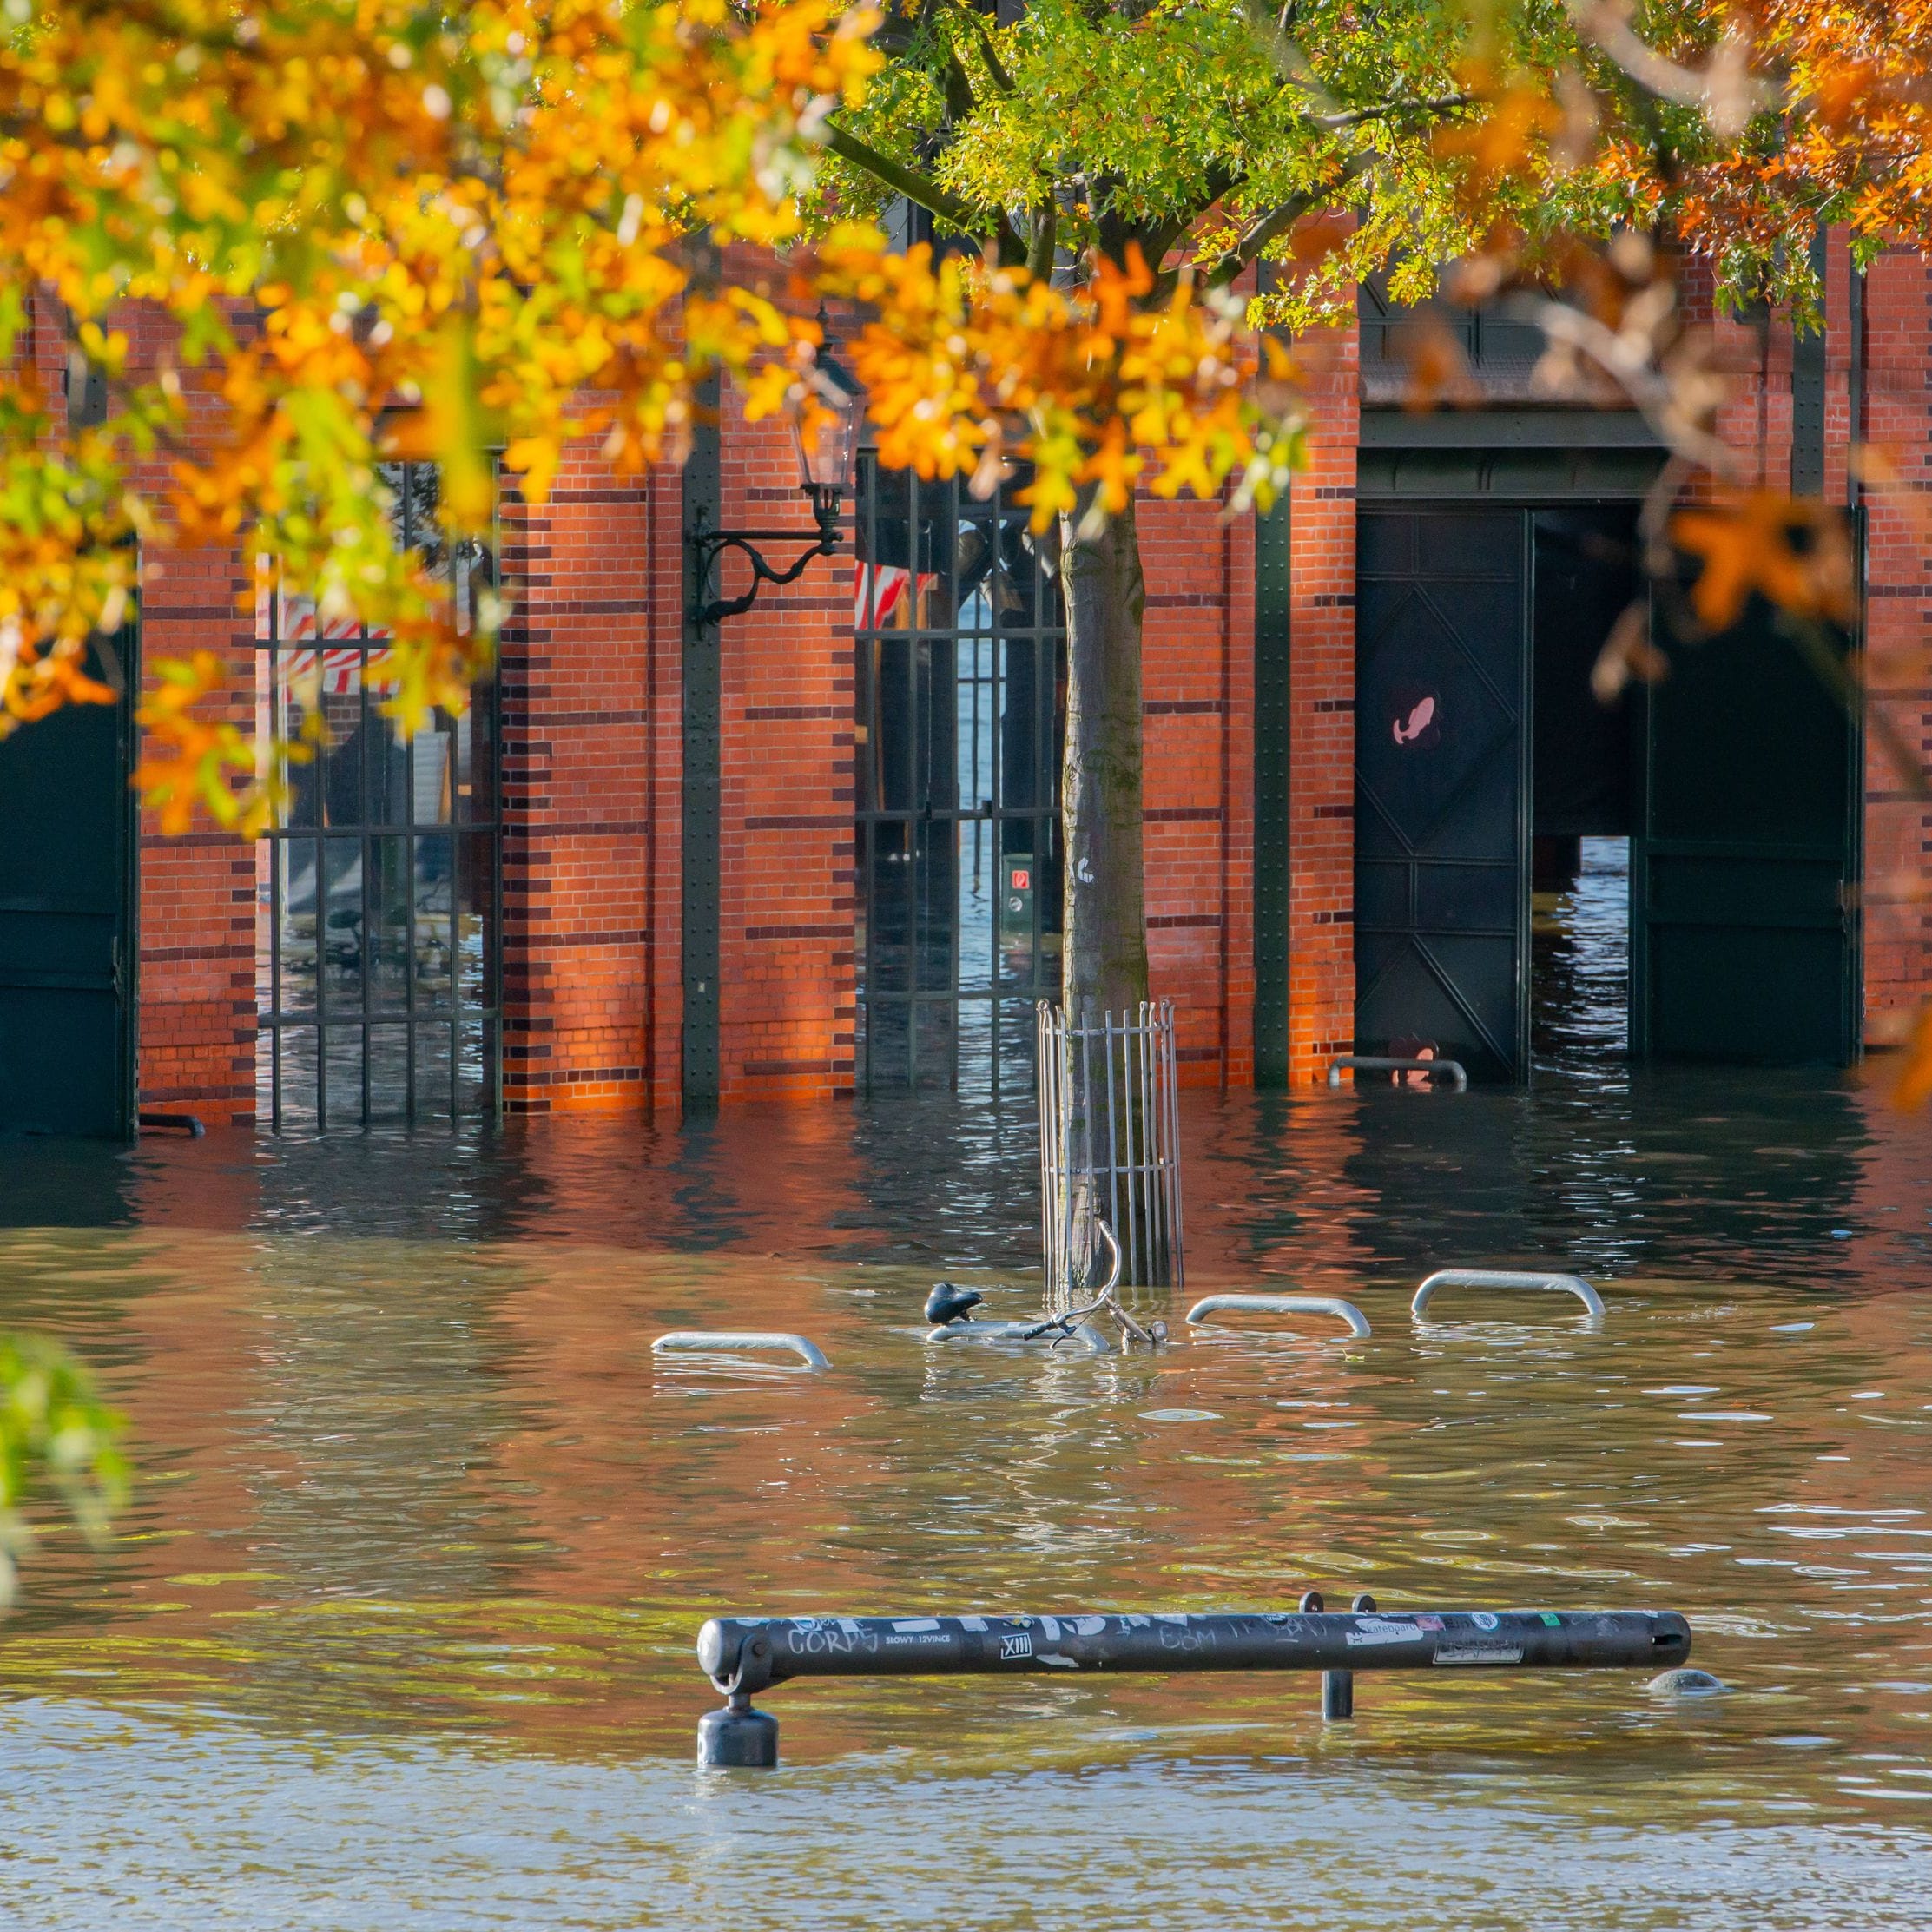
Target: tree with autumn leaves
[{"x": 374, "y": 230}]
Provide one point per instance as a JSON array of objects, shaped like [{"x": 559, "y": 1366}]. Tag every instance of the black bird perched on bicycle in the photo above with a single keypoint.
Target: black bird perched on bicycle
[{"x": 949, "y": 1303}]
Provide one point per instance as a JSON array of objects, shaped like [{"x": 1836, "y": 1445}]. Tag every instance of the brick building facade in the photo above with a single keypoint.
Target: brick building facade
[{"x": 596, "y": 908}]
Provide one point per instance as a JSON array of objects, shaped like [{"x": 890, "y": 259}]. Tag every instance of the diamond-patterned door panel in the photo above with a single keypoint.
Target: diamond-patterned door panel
[{"x": 1441, "y": 822}]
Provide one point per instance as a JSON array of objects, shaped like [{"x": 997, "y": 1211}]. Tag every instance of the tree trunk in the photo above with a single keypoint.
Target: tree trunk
[{"x": 1104, "y": 965}]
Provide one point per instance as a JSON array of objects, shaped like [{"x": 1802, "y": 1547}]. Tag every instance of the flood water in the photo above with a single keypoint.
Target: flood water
[{"x": 399, "y": 1629}]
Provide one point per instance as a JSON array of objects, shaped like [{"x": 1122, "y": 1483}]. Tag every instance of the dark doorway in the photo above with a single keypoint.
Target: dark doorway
[
  {"x": 67, "y": 899},
  {"x": 1744, "y": 855},
  {"x": 1587, "y": 574}
]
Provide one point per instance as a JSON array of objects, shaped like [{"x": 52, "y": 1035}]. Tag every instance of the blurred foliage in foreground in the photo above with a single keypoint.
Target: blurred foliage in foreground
[{"x": 57, "y": 1441}]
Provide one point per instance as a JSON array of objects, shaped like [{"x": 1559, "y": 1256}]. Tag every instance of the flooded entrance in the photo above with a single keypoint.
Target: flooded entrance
[
  {"x": 399, "y": 1630},
  {"x": 1485, "y": 766},
  {"x": 1580, "y": 957}
]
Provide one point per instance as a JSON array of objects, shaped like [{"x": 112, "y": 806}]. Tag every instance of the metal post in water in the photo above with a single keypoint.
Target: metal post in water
[
  {"x": 743, "y": 1655},
  {"x": 1177, "y": 1258},
  {"x": 1338, "y": 1687},
  {"x": 738, "y": 1738},
  {"x": 1150, "y": 1144}
]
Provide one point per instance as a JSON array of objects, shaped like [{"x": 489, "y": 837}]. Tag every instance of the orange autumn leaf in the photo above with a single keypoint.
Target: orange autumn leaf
[
  {"x": 1317, "y": 236},
  {"x": 35, "y": 682},
  {"x": 1914, "y": 1087},
  {"x": 1098, "y": 388},
  {"x": 1504, "y": 145},
  {"x": 190, "y": 761},
  {"x": 1438, "y": 369},
  {"x": 1794, "y": 552}
]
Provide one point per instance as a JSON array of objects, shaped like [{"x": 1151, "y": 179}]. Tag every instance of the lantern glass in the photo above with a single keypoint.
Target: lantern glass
[{"x": 826, "y": 449}]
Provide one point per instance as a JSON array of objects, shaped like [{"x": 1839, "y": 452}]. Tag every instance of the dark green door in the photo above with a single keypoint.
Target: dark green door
[
  {"x": 1744, "y": 857},
  {"x": 1441, "y": 790},
  {"x": 67, "y": 831}
]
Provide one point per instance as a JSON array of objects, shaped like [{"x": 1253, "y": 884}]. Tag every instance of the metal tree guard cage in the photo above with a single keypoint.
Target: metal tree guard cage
[{"x": 1109, "y": 1146}]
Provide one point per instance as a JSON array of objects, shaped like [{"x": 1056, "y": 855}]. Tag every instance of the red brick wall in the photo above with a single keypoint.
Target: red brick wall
[
  {"x": 1198, "y": 702},
  {"x": 198, "y": 891},
  {"x": 581, "y": 683},
  {"x": 788, "y": 888},
  {"x": 1898, "y": 824},
  {"x": 1322, "y": 743}
]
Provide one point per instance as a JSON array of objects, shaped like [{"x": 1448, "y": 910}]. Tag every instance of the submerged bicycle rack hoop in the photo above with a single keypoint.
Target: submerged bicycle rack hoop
[
  {"x": 733, "y": 1342},
  {"x": 1506, "y": 1277},
  {"x": 744, "y": 1655},
  {"x": 1281, "y": 1304}
]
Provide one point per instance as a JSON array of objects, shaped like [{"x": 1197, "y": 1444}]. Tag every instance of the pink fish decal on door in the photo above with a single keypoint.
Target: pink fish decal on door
[{"x": 1419, "y": 719}]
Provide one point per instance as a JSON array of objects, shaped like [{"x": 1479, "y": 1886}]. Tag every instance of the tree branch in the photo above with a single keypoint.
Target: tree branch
[
  {"x": 1220, "y": 183},
  {"x": 1355, "y": 117},
  {"x": 960, "y": 101},
  {"x": 926, "y": 193},
  {"x": 1001, "y": 78},
  {"x": 1278, "y": 220},
  {"x": 1046, "y": 220},
  {"x": 1259, "y": 233},
  {"x": 901, "y": 179}
]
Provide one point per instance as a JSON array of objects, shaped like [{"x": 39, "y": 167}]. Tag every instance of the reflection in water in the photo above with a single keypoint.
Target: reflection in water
[
  {"x": 404, "y": 1610},
  {"x": 1580, "y": 963}
]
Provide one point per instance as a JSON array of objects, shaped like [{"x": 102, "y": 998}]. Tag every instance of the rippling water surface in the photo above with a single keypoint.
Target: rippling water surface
[{"x": 399, "y": 1629}]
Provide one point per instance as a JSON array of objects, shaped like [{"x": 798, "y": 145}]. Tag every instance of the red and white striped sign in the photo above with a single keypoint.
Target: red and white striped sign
[
  {"x": 884, "y": 587},
  {"x": 339, "y": 670}
]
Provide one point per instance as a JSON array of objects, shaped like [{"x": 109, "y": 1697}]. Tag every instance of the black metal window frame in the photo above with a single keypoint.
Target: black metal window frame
[
  {"x": 1501, "y": 350},
  {"x": 961, "y": 670},
  {"x": 410, "y": 1019}
]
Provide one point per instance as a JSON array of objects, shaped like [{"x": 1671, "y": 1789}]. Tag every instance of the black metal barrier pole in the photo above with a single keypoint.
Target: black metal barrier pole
[
  {"x": 1338, "y": 1687},
  {"x": 744, "y": 1655}
]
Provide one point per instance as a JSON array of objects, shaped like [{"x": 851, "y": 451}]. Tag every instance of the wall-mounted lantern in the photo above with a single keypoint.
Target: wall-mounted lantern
[{"x": 824, "y": 438}]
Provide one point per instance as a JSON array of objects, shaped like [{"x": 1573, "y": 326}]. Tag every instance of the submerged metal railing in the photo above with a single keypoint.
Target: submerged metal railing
[
  {"x": 732, "y": 1341},
  {"x": 1281, "y": 1304},
  {"x": 1506, "y": 1278},
  {"x": 1384, "y": 1063},
  {"x": 1110, "y": 1147},
  {"x": 744, "y": 1655}
]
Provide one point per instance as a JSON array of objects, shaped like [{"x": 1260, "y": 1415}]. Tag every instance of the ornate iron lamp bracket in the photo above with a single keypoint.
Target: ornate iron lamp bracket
[{"x": 710, "y": 545}]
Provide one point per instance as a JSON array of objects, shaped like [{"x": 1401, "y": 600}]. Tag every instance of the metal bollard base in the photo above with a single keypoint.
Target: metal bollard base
[
  {"x": 1338, "y": 1687},
  {"x": 738, "y": 1738},
  {"x": 1338, "y": 1695}
]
